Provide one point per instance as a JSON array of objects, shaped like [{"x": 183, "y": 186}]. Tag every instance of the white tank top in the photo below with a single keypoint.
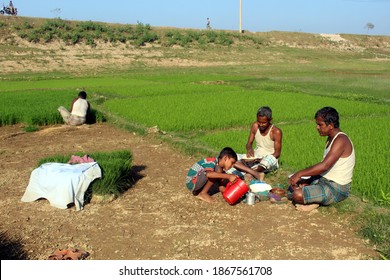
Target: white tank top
[
  {"x": 80, "y": 108},
  {"x": 264, "y": 144},
  {"x": 341, "y": 172}
]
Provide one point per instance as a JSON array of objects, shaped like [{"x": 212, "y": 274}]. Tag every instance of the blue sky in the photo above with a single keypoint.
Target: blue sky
[{"x": 313, "y": 16}]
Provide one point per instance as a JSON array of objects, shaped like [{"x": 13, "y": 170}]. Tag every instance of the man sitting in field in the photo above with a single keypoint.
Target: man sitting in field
[
  {"x": 78, "y": 111},
  {"x": 332, "y": 177},
  {"x": 264, "y": 158}
]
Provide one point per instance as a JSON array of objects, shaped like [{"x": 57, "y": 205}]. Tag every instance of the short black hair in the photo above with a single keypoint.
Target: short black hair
[
  {"x": 83, "y": 94},
  {"x": 329, "y": 115},
  {"x": 229, "y": 152},
  {"x": 265, "y": 111}
]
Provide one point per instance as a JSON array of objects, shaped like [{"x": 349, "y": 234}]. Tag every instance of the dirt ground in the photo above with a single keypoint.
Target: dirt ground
[{"x": 157, "y": 218}]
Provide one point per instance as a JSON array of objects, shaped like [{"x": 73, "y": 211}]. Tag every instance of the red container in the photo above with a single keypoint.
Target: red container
[{"x": 234, "y": 191}]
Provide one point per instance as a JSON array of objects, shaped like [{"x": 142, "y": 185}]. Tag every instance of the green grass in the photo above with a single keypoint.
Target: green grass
[
  {"x": 89, "y": 33},
  {"x": 371, "y": 222},
  {"x": 186, "y": 112},
  {"x": 116, "y": 172},
  {"x": 205, "y": 108},
  {"x": 31, "y": 128},
  {"x": 211, "y": 109},
  {"x": 303, "y": 147},
  {"x": 376, "y": 229},
  {"x": 38, "y": 107},
  {"x": 32, "y": 107}
]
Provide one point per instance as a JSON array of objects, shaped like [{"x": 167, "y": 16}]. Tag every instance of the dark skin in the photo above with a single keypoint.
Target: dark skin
[
  {"x": 341, "y": 148},
  {"x": 225, "y": 163},
  {"x": 264, "y": 125}
]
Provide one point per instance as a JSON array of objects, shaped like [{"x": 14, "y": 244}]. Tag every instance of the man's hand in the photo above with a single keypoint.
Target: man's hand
[
  {"x": 250, "y": 153},
  {"x": 293, "y": 180}
]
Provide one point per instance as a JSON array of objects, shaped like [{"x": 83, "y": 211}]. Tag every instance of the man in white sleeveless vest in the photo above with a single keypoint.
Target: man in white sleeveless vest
[
  {"x": 78, "y": 111},
  {"x": 331, "y": 178},
  {"x": 264, "y": 157}
]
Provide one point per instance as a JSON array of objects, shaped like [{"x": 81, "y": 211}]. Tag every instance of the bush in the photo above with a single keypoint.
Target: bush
[
  {"x": 91, "y": 26},
  {"x": 224, "y": 39},
  {"x": 33, "y": 37},
  {"x": 90, "y": 32},
  {"x": 27, "y": 25},
  {"x": 211, "y": 36}
]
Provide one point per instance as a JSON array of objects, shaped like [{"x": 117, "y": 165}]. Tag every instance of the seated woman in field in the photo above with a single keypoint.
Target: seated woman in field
[{"x": 78, "y": 111}]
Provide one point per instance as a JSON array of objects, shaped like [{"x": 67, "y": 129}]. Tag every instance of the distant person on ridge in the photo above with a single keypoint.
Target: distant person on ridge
[
  {"x": 208, "y": 26},
  {"x": 78, "y": 111},
  {"x": 11, "y": 7}
]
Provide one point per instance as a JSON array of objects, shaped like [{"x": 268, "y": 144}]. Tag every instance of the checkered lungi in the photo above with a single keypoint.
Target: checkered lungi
[{"x": 325, "y": 192}]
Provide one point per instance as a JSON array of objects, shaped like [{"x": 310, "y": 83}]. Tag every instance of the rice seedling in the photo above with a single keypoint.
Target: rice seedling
[
  {"x": 31, "y": 107},
  {"x": 214, "y": 107},
  {"x": 38, "y": 107},
  {"x": 234, "y": 108}
]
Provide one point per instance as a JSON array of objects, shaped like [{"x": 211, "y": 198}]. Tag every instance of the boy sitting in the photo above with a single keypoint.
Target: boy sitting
[{"x": 209, "y": 171}]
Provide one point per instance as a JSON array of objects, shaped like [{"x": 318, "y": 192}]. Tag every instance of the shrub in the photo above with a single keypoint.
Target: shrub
[
  {"x": 224, "y": 39},
  {"x": 91, "y": 26},
  {"x": 126, "y": 29},
  {"x": 75, "y": 38},
  {"x": 194, "y": 35},
  {"x": 27, "y": 25},
  {"x": 48, "y": 37},
  {"x": 33, "y": 37},
  {"x": 211, "y": 36},
  {"x": 90, "y": 41},
  {"x": 55, "y": 24}
]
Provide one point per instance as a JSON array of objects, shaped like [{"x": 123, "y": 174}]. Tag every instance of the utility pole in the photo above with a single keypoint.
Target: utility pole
[{"x": 240, "y": 16}]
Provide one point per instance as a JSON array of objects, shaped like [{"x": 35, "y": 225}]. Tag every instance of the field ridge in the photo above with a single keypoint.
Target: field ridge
[{"x": 25, "y": 46}]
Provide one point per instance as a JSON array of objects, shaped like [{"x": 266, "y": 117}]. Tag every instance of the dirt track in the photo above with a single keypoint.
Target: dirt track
[{"x": 157, "y": 218}]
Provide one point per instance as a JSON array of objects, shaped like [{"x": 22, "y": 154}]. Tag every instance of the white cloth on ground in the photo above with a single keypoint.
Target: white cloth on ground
[{"x": 61, "y": 183}]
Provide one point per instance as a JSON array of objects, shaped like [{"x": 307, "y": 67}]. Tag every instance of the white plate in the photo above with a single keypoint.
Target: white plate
[
  {"x": 249, "y": 158},
  {"x": 303, "y": 177},
  {"x": 260, "y": 187}
]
